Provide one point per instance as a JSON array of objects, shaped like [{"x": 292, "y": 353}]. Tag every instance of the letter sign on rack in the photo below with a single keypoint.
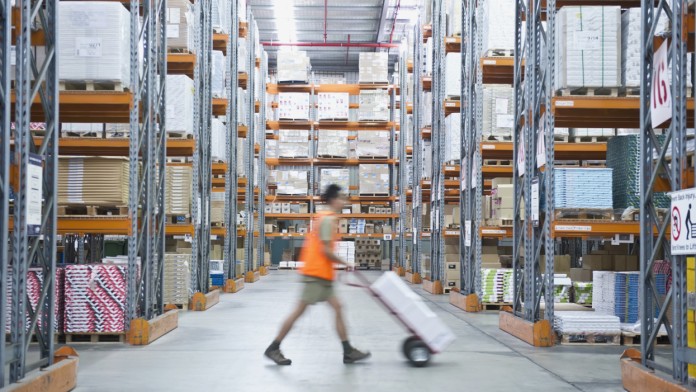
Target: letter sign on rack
[{"x": 660, "y": 96}]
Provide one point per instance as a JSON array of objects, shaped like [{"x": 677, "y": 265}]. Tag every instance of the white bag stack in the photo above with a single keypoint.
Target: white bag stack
[
  {"x": 293, "y": 67},
  {"x": 293, "y": 143},
  {"x": 333, "y": 106},
  {"x": 218, "y": 75},
  {"x": 374, "y": 179},
  {"x": 588, "y": 46},
  {"x": 373, "y": 144},
  {"x": 498, "y": 111},
  {"x": 218, "y": 140},
  {"x": 373, "y": 67},
  {"x": 181, "y": 25},
  {"x": 453, "y": 144},
  {"x": 498, "y": 27},
  {"x": 340, "y": 177},
  {"x": 374, "y": 105},
  {"x": 179, "y": 104},
  {"x": 178, "y": 190},
  {"x": 333, "y": 144},
  {"x": 94, "y": 42},
  {"x": 293, "y": 106},
  {"x": 453, "y": 75}
]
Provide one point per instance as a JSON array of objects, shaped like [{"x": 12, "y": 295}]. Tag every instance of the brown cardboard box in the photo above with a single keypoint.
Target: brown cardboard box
[
  {"x": 632, "y": 263},
  {"x": 580, "y": 275},
  {"x": 621, "y": 249},
  {"x": 266, "y": 258},
  {"x": 490, "y": 265},
  {"x": 608, "y": 263},
  {"x": 561, "y": 264},
  {"x": 304, "y": 208},
  {"x": 451, "y": 249},
  {"x": 452, "y": 271},
  {"x": 592, "y": 262},
  {"x": 343, "y": 226},
  {"x": 620, "y": 263},
  {"x": 489, "y": 250},
  {"x": 369, "y": 228},
  {"x": 487, "y": 258},
  {"x": 452, "y": 258},
  {"x": 453, "y": 283}
]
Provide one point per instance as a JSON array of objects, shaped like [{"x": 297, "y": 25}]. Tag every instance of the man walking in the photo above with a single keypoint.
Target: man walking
[{"x": 318, "y": 272}]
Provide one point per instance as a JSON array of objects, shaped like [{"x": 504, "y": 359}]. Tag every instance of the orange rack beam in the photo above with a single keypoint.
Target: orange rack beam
[
  {"x": 87, "y": 106},
  {"x": 181, "y": 64},
  {"x": 498, "y": 70},
  {"x": 114, "y": 147},
  {"x": 563, "y": 151}
]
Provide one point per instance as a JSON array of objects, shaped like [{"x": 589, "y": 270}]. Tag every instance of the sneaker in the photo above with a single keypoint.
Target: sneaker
[
  {"x": 277, "y": 357},
  {"x": 355, "y": 355}
]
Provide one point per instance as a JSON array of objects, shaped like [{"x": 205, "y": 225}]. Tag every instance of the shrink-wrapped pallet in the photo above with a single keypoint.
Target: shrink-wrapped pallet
[
  {"x": 220, "y": 17},
  {"x": 374, "y": 105},
  {"x": 178, "y": 190},
  {"x": 293, "y": 106},
  {"x": 454, "y": 17},
  {"x": 453, "y": 143},
  {"x": 374, "y": 179},
  {"x": 427, "y": 158},
  {"x": 95, "y": 298},
  {"x": 181, "y": 26},
  {"x": 498, "y": 111},
  {"x": 333, "y": 144},
  {"x": 453, "y": 75},
  {"x": 373, "y": 144},
  {"x": 340, "y": 177},
  {"x": 94, "y": 41},
  {"x": 428, "y": 56},
  {"x": 218, "y": 141},
  {"x": 217, "y": 207},
  {"x": 242, "y": 112},
  {"x": 293, "y": 143},
  {"x": 242, "y": 54},
  {"x": 373, "y": 67},
  {"x": 293, "y": 67},
  {"x": 177, "y": 278},
  {"x": 583, "y": 188},
  {"x": 498, "y": 29},
  {"x": 333, "y": 106},
  {"x": 289, "y": 182},
  {"x": 588, "y": 47},
  {"x": 93, "y": 181},
  {"x": 179, "y": 92},
  {"x": 218, "y": 74}
]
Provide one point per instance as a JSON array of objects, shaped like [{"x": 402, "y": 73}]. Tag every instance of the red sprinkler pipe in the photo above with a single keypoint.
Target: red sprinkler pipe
[{"x": 331, "y": 44}]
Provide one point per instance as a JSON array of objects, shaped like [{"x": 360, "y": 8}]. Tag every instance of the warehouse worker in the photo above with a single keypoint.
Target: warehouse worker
[{"x": 318, "y": 271}]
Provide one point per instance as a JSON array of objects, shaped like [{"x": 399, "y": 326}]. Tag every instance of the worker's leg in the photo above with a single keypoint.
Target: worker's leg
[
  {"x": 340, "y": 324},
  {"x": 290, "y": 321}
]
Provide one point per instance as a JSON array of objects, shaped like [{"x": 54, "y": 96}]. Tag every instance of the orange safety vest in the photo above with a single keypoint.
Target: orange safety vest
[{"x": 316, "y": 263}]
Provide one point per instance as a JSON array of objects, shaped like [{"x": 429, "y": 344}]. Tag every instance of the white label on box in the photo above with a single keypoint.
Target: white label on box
[
  {"x": 172, "y": 31},
  {"x": 493, "y": 231},
  {"x": 505, "y": 120},
  {"x": 501, "y": 105},
  {"x": 488, "y": 146},
  {"x": 573, "y": 228},
  {"x": 173, "y": 15},
  {"x": 88, "y": 46},
  {"x": 451, "y": 232},
  {"x": 450, "y": 104},
  {"x": 565, "y": 104},
  {"x": 387, "y": 237},
  {"x": 490, "y": 62},
  {"x": 34, "y": 194},
  {"x": 588, "y": 40},
  {"x": 13, "y": 55}
]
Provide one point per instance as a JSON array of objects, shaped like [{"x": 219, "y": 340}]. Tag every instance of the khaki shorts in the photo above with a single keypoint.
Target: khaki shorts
[{"x": 316, "y": 290}]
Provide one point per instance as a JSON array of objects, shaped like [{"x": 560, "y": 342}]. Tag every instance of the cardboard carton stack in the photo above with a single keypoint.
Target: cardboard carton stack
[
  {"x": 373, "y": 67},
  {"x": 217, "y": 208},
  {"x": 374, "y": 105},
  {"x": 452, "y": 264},
  {"x": 289, "y": 182},
  {"x": 498, "y": 27},
  {"x": 613, "y": 258},
  {"x": 498, "y": 111},
  {"x": 293, "y": 67},
  {"x": 293, "y": 143},
  {"x": 179, "y": 109},
  {"x": 452, "y": 216},
  {"x": 333, "y": 144},
  {"x": 93, "y": 181},
  {"x": 453, "y": 75},
  {"x": 374, "y": 179},
  {"x": 346, "y": 251},
  {"x": 218, "y": 141},
  {"x": 340, "y": 177},
  {"x": 333, "y": 106},
  {"x": 453, "y": 132},
  {"x": 293, "y": 106},
  {"x": 500, "y": 204},
  {"x": 373, "y": 144},
  {"x": 181, "y": 26},
  {"x": 177, "y": 278},
  {"x": 178, "y": 190},
  {"x": 368, "y": 253}
]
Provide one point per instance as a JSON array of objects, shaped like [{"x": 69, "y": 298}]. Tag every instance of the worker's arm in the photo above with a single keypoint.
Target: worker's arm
[{"x": 327, "y": 228}]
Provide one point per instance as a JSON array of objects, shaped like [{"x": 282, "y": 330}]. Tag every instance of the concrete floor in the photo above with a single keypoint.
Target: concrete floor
[{"x": 221, "y": 350}]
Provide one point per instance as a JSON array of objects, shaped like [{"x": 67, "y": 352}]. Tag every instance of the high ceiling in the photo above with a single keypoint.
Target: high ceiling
[{"x": 357, "y": 21}]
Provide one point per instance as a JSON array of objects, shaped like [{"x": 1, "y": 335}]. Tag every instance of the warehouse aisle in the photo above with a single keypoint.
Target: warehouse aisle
[{"x": 221, "y": 350}]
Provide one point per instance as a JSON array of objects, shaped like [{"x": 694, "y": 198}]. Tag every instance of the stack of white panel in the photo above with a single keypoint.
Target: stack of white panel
[
  {"x": 373, "y": 144},
  {"x": 333, "y": 144},
  {"x": 586, "y": 323},
  {"x": 293, "y": 143},
  {"x": 218, "y": 140},
  {"x": 498, "y": 26},
  {"x": 340, "y": 177},
  {"x": 346, "y": 251},
  {"x": 374, "y": 179},
  {"x": 217, "y": 207},
  {"x": 293, "y": 67},
  {"x": 373, "y": 67},
  {"x": 178, "y": 190},
  {"x": 333, "y": 106},
  {"x": 588, "y": 46},
  {"x": 584, "y": 132},
  {"x": 498, "y": 111},
  {"x": 82, "y": 128},
  {"x": 293, "y": 106},
  {"x": 94, "y": 41},
  {"x": 603, "y": 284},
  {"x": 218, "y": 75},
  {"x": 181, "y": 25},
  {"x": 242, "y": 55},
  {"x": 453, "y": 75},
  {"x": 221, "y": 16},
  {"x": 453, "y": 131},
  {"x": 177, "y": 278},
  {"x": 93, "y": 181},
  {"x": 179, "y": 104},
  {"x": 374, "y": 105}
]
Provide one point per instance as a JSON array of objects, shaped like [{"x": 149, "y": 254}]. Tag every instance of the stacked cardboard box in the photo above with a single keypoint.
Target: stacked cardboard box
[
  {"x": 373, "y": 144},
  {"x": 333, "y": 106},
  {"x": 95, "y": 42},
  {"x": 374, "y": 179},
  {"x": 333, "y": 144},
  {"x": 293, "y": 67},
  {"x": 289, "y": 182},
  {"x": 217, "y": 207},
  {"x": 293, "y": 106},
  {"x": 453, "y": 75},
  {"x": 615, "y": 258},
  {"x": 498, "y": 26},
  {"x": 178, "y": 190},
  {"x": 181, "y": 25},
  {"x": 177, "y": 278},
  {"x": 561, "y": 264},
  {"x": 452, "y": 216},
  {"x": 452, "y": 263},
  {"x": 373, "y": 67},
  {"x": 340, "y": 177},
  {"x": 93, "y": 181},
  {"x": 218, "y": 141},
  {"x": 293, "y": 143},
  {"x": 179, "y": 110},
  {"x": 374, "y": 105},
  {"x": 498, "y": 111},
  {"x": 346, "y": 251},
  {"x": 503, "y": 199},
  {"x": 368, "y": 253}
]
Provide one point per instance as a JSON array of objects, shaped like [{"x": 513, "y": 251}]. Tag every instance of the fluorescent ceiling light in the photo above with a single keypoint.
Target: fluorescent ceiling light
[{"x": 284, "y": 14}]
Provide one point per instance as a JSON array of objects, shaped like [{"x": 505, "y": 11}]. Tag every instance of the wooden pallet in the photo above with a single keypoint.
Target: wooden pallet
[
  {"x": 584, "y": 214},
  {"x": 92, "y": 210},
  {"x": 590, "y": 338},
  {"x": 181, "y": 307},
  {"x": 500, "y": 53},
  {"x": 589, "y": 139},
  {"x": 374, "y": 194},
  {"x": 594, "y": 163},
  {"x": 116, "y": 134},
  {"x": 82, "y": 135},
  {"x": 570, "y": 163},
  {"x": 590, "y": 91},
  {"x": 494, "y": 305},
  {"x": 116, "y": 337},
  {"x": 500, "y": 222},
  {"x": 179, "y": 50},
  {"x": 372, "y": 158},
  {"x": 324, "y": 156},
  {"x": 633, "y": 339},
  {"x": 91, "y": 85},
  {"x": 179, "y": 135},
  {"x": 498, "y": 138},
  {"x": 497, "y": 162}
]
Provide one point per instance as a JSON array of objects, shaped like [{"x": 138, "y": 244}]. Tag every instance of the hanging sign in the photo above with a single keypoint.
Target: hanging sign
[
  {"x": 34, "y": 194},
  {"x": 683, "y": 228},
  {"x": 541, "y": 144},
  {"x": 520, "y": 156},
  {"x": 535, "y": 201},
  {"x": 467, "y": 233},
  {"x": 660, "y": 96}
]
